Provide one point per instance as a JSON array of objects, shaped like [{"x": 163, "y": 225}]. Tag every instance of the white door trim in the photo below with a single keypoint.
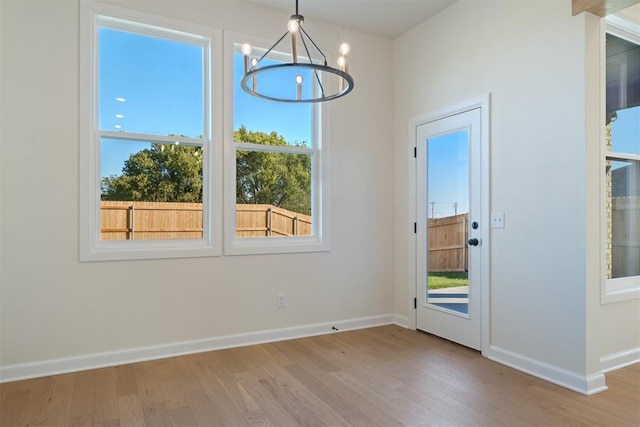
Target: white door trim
[{"x": 482, "y": 102}]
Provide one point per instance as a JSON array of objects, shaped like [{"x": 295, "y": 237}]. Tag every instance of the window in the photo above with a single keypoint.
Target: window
[
  {"x": 622, "y": 164},
  {"x": 276, "y": 192},
  {"x": 149, "y": 177}
]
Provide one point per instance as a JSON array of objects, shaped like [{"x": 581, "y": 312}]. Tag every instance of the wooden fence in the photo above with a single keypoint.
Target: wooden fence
[
  {"x": 448, "y": 250},
  {"x": 269, "y": 220},
  {"x": 124, "y": 220}
]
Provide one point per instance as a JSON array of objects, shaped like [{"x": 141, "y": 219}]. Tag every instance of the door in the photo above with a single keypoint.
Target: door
[{"x": 448, "y": 229}]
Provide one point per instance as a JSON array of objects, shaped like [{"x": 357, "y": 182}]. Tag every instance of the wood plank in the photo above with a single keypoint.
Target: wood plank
[
  {"x": 110, "y": 423},
  {"x": 361, "y": 420},
  {"x": 291, "y": 403},
  {"x": 147, "y": 384},
  {"x": 34, "y": 410},
  {"x": 182, "y": 417},
  {"x": 106, "y": 403},
  {"x": 131, "y": 412},
  {"x": 84, "y": 393},
  {"x": 82, "y": 421},
  {"x": 202, "y": 408},
  {"x": 12, "y": 405},
  {"x": 59, "y": 404},
  {"x": 386, "y": 376},
  {"x": 218, "y": 376},
  {"x": 168, "y": 384},
  {"x": 156, "y": 414},
  {"x": 126, "y": 382},
  {"x": 266, "y": 401}
]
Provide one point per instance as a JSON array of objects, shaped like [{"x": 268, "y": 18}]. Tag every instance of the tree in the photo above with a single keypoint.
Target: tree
[
  {"x": 173, "y": 173},
  {"x": 162, "y": 173},
  {"x": 279, "y": 179}
]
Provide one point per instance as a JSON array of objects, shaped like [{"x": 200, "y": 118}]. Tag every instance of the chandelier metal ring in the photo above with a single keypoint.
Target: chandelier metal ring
[{"x": 348, "y": 87}]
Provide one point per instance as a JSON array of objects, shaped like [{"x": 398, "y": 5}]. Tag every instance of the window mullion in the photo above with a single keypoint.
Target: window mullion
[
  {"x": 150, "y": 30},
  {"x": 152, "y": 138},
  {"x": 288, "y": 149},
  {"x": 622, "y": 156}
]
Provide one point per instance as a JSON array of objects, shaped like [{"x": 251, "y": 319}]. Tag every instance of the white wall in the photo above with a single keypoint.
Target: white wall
[
  {"x": 545, "y": 302},
  {"x": 531, "y": 57},
  {"x": 56, "y": 307}
]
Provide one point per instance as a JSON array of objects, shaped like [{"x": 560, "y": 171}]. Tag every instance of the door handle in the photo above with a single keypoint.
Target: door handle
[{"x": 473, "y": 242}]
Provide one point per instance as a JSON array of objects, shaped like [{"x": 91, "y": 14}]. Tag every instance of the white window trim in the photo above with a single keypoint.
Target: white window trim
[
  {"x": 320, "y": 197},
  {"x": 622, "y": 288},
  {"x": 91, "y": 247}
]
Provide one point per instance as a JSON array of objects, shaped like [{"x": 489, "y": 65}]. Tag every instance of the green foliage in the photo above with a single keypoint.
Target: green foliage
[
  {"x": 162, "y": 173},
  {"x": 279, "y": 179},
  {"x": 173, "y": 173},
  {"x": 448, "y": 279}
]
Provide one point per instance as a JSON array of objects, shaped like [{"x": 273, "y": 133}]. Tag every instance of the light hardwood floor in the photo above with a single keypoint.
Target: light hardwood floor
[{"x": 386, "y": 376}]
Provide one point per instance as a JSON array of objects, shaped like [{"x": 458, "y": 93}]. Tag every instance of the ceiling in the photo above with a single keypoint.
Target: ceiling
[{"x": 385, "y": 18}]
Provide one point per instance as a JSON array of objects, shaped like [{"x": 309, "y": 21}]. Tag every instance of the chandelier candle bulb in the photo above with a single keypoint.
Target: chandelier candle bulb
[
  {"x": 254, "y": 79},
  {"x": 293, "y": 27},
  {"x": 299, "y": 82},
  {"x": 342, "y": 64},
  {"x": 294, "y": 48},
  {"x": 344, "y": 49},
  {"x": 246, "y": 51}
]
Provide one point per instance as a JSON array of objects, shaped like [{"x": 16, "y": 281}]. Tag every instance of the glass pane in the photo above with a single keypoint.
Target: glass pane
[
  {"x": 150, "y": 85},
  {"x": 273, "y": 194},
  {"x": 150, "y": 190},
  {"x": 623, "y": 94},
  {"x": 447, "y": 228},
  {"x": 625, "y": 131},
  {"x": 293, "y": 121},
  {"x": 623, "y": 219}
]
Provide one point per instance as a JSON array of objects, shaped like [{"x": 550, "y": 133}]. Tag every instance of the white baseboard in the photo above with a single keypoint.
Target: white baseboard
[
  {"x": 402, "y": 321},
  {"x": 582, "y": 384},
  {"x": 101, "y": 360},
  {"x": 619, "y": 360}
]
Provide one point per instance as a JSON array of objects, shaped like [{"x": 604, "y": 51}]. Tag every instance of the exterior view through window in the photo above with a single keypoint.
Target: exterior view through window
[
  {"x": 448, "y": 219},
  {"x": 152, "y": 123},
  {"x": 275, "y": 158},
  {"x": 622, "y": 158}
]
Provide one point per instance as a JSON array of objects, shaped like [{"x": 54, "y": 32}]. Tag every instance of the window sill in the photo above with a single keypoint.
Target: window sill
[
  {"x": 275, "y": 245},
  {"x": 150, "y": 249},
  {"x": 621, "y": 289}
]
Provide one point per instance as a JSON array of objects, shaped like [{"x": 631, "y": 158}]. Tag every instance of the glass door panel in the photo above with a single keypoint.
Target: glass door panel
[{"x": 448, "y": 221}]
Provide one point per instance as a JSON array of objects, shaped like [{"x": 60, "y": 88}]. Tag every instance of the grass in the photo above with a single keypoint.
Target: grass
[{"x": 448, "y": 280}]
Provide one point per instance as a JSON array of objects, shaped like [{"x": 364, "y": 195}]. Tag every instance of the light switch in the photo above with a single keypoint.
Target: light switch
[{"x": 497, "y": 220}]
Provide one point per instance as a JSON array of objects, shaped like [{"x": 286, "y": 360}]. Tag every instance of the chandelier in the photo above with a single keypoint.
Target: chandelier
[{"x": 273, "y": 80}]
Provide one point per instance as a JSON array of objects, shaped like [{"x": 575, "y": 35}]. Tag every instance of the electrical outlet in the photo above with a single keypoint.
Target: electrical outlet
[
  {"x": 497, "y": 220},
  {"x": 281, "y": 301}
]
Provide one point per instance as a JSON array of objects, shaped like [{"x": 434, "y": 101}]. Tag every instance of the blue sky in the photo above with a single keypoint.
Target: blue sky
[
  {"x": 158, "y": 79},
  {"x": 625, "y": 131},
  {"x": 448, "y": 174},
  {"x": 291, "y": 120},
  {"x": 153, "y": 85},
  {"x": 142, "y": 77}
]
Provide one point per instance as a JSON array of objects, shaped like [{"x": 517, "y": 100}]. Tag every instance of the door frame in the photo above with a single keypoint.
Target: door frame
[{"x": 483, "y": 103}]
